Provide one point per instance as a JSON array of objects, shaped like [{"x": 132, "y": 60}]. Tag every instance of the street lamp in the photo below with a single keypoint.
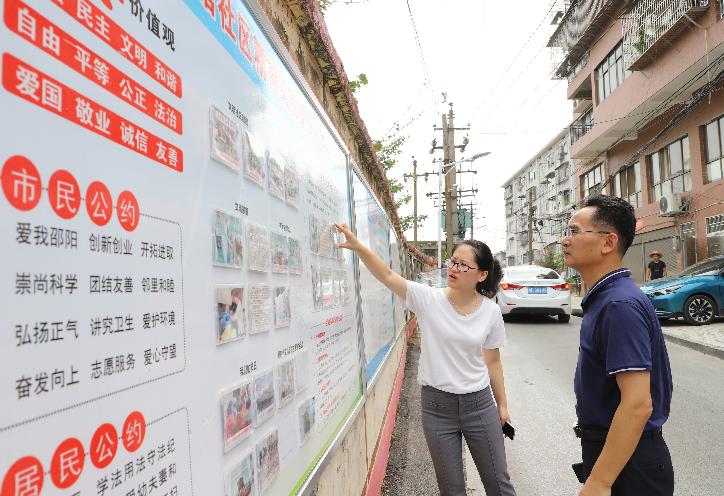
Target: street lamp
[{"x": 451, "y": 166}]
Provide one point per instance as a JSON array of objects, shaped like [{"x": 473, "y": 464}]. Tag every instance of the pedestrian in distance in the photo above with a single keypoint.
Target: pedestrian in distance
[
  {"x": 462, "y": 332},
  {"x": 623, "y": 380},
  {"x": 657, "y": 267}
]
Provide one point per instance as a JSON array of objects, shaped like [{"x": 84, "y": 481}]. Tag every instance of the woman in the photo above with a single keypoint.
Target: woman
[{"x": 462, "y": 331}]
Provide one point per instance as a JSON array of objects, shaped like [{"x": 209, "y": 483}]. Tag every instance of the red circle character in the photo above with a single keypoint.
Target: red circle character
[
  {"x": 127, "y": 210},
  {"x": 67, "y": 463},
  {"x": 25, "y": 476},
  {"x": 64, "y": 194},
  {"x": 21, "y": 183},
  {"x": 134, "y": 431},
  {"x": 104, "y": 445},
  {"x": 99, "y": 203}
]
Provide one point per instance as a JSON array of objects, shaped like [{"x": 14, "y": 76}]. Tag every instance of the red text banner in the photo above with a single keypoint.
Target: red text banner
[
  {"x": 36, "y": 87},
  {"x": 116, "y": 37},
  {"x": 41, "y": 32}
]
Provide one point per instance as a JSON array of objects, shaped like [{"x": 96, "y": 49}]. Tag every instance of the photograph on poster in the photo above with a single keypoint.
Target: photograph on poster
[
  {"x": 282, "y": 308},
  {"x": 325, "y": 237},
  {"x": 264, "y": 396},
  {"x": 237, "y": 414},
  {"x": 295, "y": 256},
  {"x": 316, "y": 287},
  {"x": 276, "y": 175},
  {"x": 285, "y": 382},
  {"x": 279, "y": 253},
  {"x": 327, "y": 276},
  {"x": 253, "y": 160},
  {"x": 343, "y": 286},
  {"x": 260, "y": 308},
  {"x": 306, "y": 414},
  {"x": 291, "y": 184},
  {"x": 301, "y": 370},
  {"x": 224, "y": 139},
  {"x": 267, "y": 453},
  {"x": 258, "y": 247},
  {"x": 314, "y": 234},
  {"x": 230, "y": 314},
  {"x": 227, "y": 240},
  {"x": 240, "y": 479}
]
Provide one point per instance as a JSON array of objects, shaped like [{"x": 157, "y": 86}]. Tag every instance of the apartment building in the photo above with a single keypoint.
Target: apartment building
[
  {"x": 645, "y": 78},
  {"x": 538, "y": 202}
]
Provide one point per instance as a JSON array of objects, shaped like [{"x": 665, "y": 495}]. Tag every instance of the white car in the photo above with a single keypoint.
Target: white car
[{"x": 534, "y": 290}]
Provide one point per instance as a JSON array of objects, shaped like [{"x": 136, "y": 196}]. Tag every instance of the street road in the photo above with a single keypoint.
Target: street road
[{"x": 539, "y": 363}]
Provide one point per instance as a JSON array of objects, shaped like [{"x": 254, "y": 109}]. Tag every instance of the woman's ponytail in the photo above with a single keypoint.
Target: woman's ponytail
[{"x": 489, "y": 287}]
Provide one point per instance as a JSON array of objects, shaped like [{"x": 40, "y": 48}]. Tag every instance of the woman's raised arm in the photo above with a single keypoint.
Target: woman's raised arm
[{"x": 374, "y": 264}]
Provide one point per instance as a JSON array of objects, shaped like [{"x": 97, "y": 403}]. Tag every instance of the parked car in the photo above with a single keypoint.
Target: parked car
[
  {"x": 697, "y": 293},
  {"x": 530, "y": 289}
]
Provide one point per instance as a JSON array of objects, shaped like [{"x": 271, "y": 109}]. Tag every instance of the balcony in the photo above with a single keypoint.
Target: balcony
[
  {"x": 651, "y": 26},
  {"x": 581, "y": 126},
  {"x": 581, "y": 24}
]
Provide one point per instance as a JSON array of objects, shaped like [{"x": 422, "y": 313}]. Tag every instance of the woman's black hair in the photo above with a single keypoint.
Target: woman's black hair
[{"x": 485, "y": 260}]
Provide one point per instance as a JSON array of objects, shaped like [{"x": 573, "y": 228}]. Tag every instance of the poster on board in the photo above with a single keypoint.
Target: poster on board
[
  {"x": 138, "y": 217},
  {"x": 377, "y": 305}
]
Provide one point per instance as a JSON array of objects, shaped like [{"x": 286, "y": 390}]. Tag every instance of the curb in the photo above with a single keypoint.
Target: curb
[{"x": 708, "y": 350}]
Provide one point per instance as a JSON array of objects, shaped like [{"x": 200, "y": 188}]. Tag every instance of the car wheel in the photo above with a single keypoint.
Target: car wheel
[
  {"x": 564, "y": 318},
  {"x": 699, "y": 310}
]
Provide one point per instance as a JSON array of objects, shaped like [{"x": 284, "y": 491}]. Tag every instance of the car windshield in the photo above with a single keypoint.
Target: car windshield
[
  {"x": 707, "y": 267},
  {"x": 533, "y": 273}
]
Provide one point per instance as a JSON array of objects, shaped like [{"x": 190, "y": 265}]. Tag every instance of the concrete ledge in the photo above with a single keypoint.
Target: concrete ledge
[{"x": 709, "y": 350}]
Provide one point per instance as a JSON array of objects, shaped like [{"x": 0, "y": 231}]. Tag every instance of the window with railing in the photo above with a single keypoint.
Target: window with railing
[
  {"x": 581, "y": 126},
  {"x": 592, "y": 180},
  {"x": 627, "y": 185},
  {"x": 509, "y": 208},
  {"x": 715, "y": 224},
  {"x": 713, "y": 147},
  {"x": 670, "y": 169},
  {"x": 567, "y": 197},
  {"x": 611, "y": 73},
  {"x": 563, "y": 173},
  {"x": 715, "y": 235}
]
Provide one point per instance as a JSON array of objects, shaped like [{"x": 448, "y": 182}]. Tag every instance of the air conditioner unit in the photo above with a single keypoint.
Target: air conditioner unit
[{"x": 670, "y": 204}]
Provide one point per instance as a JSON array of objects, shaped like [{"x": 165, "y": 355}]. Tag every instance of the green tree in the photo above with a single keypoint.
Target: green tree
[
  {"x": 324, "y": 5},
  {"x": 356, "y": 84},
  {"x": 553, "y": 260},
  {"x": 388, "y": 152}
]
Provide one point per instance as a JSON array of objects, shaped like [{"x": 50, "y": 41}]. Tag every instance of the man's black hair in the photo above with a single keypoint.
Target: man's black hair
[{"x": 617, "y": 214}]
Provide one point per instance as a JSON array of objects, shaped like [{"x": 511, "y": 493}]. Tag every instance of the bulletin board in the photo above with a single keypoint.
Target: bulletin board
[{"x": 178, "y": 319}]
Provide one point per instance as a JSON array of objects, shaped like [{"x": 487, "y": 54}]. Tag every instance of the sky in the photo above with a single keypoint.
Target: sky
[{"x": 490, "y": 60}]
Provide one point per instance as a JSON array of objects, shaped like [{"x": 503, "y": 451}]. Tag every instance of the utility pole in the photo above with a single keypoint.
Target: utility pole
[
  {"x": 530, "y": 226},
  {"x": 450, "y": 194},
  {"x": 414, "y": 201},
  {"x": 414, "y": 177}
]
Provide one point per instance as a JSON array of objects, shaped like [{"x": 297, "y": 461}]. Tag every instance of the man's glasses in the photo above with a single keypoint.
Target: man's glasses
[
  {"x": 570, "y": 232},
  {"x": 461, "y": 266}
]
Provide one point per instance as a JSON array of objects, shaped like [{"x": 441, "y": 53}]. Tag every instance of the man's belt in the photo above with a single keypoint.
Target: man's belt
[{"x": 599, "y": 435}]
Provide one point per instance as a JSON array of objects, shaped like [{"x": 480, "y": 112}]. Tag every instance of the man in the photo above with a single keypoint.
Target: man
[
  {"x": 657, "y": 267},
  {"x": 623, "y": 379}
]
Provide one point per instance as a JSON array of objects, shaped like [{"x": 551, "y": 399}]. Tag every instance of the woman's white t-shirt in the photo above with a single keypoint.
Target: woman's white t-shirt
[{"x": 451, "y": 356}]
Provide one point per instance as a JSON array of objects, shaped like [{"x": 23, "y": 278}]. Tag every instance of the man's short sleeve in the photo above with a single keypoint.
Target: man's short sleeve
[
  {"x": 624, "y": 337},
  {"x": 496, "y": 337},
  {"x": 419, "y": 296}
]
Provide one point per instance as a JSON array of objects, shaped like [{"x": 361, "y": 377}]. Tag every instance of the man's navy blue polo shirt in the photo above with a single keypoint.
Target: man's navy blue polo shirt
[{"x": 620, "y": 332}]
